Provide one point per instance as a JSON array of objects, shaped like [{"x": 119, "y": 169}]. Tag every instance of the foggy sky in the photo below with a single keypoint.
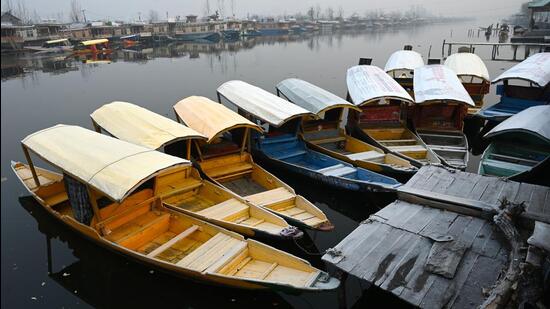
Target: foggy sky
[{"x": 129, "y": 9}]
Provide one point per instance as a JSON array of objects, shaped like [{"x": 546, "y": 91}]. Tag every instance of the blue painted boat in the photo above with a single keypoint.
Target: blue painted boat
[
  {"x": 231, "y": 34},
  {"x": 531, "y": 78},
  {"x": 504, "y": 158},
  {"x": 273, "y": 31},
  {"x": 193, "y": 36},
  {"x": 282, "y": 147}
]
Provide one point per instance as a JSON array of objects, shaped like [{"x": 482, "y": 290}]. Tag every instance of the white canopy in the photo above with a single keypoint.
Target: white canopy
[
  {"x": 438, "y": 82},
  {"x": 109, "y": 165},
  {"x": 404, "y": 60},
  {"x": 368, "y": 83},
  {"x": 311, "y": 97},
  {"x": 141, "y": 126},
  {"x": 533, "y": 120},
  {"x": 260, "y": 103},
  {"x": 535, "y": 69},
  {"x": 467, "y": 64}
]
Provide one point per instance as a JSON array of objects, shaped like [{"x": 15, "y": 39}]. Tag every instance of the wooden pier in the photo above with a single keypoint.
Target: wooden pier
[
  {"x": 438, "y": 250},
  {"x": 540, "y": 47}
]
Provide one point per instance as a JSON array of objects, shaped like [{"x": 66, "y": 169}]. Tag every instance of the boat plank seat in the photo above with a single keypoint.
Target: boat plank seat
[
  {"x": 447, "y": 136},
  {"x": 398, "y": 141},
  {"x": 410, "y": 148},
  {"x": 187, "y": 184},
  {"x": 367, "y": 155},
  {"x": 212, "y": 253},
  {"x": 293, "y": 211},
  {"x": 56, "y": 199},
  {"x": 141, "y": 230},
  {"x": 328, "y": 140},
  {"x": 224, "y": 209},
  {"x": 173, "y": 241},
  {"x": 224, "y": 171},
  {"x": 336, "y": 170},
  {"x": 271, "y": 196},
  {"x": 513, "y": 159}
]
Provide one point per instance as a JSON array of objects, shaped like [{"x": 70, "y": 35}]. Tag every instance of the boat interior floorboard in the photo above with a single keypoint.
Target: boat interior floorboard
[
  {"x": 194, "y": 203},
  {"x": 244, "y": 186}
]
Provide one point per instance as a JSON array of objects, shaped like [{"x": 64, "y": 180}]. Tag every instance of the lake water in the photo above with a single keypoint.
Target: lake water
[{"x": 44, "y": 264}]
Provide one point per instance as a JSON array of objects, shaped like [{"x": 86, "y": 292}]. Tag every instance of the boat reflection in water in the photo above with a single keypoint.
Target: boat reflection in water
[{"x": 98, "y": 274}]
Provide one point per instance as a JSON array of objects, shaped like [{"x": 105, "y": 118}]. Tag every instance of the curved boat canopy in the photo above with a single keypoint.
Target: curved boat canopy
[
  {"x": 368, "y": 83},
  {"x": 141, "y": 126},
  {"x": 534, "y": 120},
  {"x": 438, "y": 82},
  {"x": 468, "y": 64},
  {"x": 94, "y": 42},
  {"x": 260, "y": 103},
  {"x": 535, "y": 69},
  {"x": 109, "y": 165},
  {"x": 404, "y": 60},
  {"x": 314, "y": 99},
  {"x": 210, "y": 118},
  {"x": 56, "y": 41}
]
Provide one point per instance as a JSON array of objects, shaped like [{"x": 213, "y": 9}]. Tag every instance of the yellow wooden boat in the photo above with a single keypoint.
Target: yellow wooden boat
[
  {"x": 383, "y": 119},
  {"x": 108, "y": 195},
  {"x": 195, "y": 196},
  {"x": 225, "y": 158},
  {"x": 325, "y": 133}
]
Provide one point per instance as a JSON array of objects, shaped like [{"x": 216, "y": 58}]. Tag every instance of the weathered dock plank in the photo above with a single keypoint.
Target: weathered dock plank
[
  {"x": 392, "y": 250},
  {"x": 473, "y": 194}
]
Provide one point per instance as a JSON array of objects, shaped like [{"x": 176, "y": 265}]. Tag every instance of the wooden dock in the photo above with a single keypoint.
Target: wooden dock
[
  {"x": 435, "y": 248},
  {"x": 540, "y": 47}
]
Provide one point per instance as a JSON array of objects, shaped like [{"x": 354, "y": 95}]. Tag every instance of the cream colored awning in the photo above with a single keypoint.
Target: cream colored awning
[
  {"x": 141, "y": 126},
  {"x": 109, "y": 165},
  {"x": 468, "y": 64},
  {"x": 210, "y": 118}
]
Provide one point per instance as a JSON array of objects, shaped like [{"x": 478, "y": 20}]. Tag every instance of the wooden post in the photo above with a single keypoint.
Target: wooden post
[
  {"x": 178, "y": 119},
  {"x": 97, "y": 128},
  {"x": 188, "y": 155},
  {"x": 31, "y": 165},
  {"x": 198, "y": 149},
  {"x": 443, "y": 49},
  {"x": 93, "y": 202},
  {"x": 245, "y": 138},
  {"x": 219, "y": 97}
]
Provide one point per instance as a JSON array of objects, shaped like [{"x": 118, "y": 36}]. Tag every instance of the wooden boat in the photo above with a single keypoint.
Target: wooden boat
[
  {"x": 441, "y": 105},
  {"x": 282, "y": 147},
  {"x": 400, "y": 66},
  {"x": 531, "y": 87},
  {"x": 101, "y": 171},
  {"x": 92, "y": 46},
  {"x": 473, "y": 75},
  {"x": 225, "y": 158},
  {"x": 52, "y": 46},
  {"x": 195, "y": 196},
  {"x": 383, "y": 121},
  {"x": 324, "y": 132},
  {"x": 504, "y": 157}
]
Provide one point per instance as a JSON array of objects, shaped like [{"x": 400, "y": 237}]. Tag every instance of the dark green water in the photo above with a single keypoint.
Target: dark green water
[{"x": 45, "y": 265}]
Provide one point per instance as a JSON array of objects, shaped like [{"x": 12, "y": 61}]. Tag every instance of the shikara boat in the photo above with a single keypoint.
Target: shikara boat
[
  {"x": 194, "y": 196},
  {"x": 400, "y": 66},
  {"x": 324, "y": 132},
  {"x": 225, "y": 158},
  {"x": 92, "y": 46},
  {"x": 110, "y": 192},
  {"x": 282, "y": 147},
  {"x": 52, "y": 46},
  {"x": 383, "y": 117},
  {"x": 473, "y": 75},
  {"x": 518, "y": 144},
  {"x": 441, "y": 105},
  {"x": 531, "y": 87}
]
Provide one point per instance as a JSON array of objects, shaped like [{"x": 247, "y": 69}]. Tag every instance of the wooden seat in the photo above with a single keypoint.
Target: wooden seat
[
  {"x": 213, "y": 253},
  {"x": 336, "y": 170},
  {"x": 173, "y": 241},
  {"x": 141, "y": 230},
  {"x": 224, "y": 209},
  {"x": 397, "y": 141},
  {"x": 412, "y": 148},
  {"x": 229, "y": 170},
  {"x": 366, "y": 155},
  {"x": 56, "y": 198},
  {"x": 329, "y": 140},
  {"x": 270, "y": 196}
]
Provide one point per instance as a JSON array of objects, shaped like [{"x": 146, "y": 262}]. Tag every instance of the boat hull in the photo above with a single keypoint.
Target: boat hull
[
  {"x": 209, "y": 36},
  {"x": 450, "y": 146},
  {"x": 507, "y": 160}
]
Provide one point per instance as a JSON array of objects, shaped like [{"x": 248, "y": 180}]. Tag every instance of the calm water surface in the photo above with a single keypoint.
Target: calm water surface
[{"x": 44, "y": 264}]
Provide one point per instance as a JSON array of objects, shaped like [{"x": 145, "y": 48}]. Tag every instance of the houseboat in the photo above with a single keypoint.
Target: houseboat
[
  {"x": 196, "y": 197},
  {"x": 225, "y": 159},
  {"x": 524, "y": 85},
  {"x": 529, "y": 128},
  {"x": 92, "y": 47},
  {"x": 400, "y": 66},
  {"x": 383, "y": 117},
  {"x": 473, "y": 75},
  {"x": 281, "y": 146},
  {"x": 52, "y": 46},
  {"x": 108, "y": 195},
  {"x": 271, "y": 27},
  {"x": 441, "y": 105},
  {"x": 325, "y": 132}
]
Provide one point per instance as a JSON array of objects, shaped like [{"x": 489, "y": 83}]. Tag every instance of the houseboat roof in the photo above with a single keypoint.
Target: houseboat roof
[
  {"x": 368, "y": 83},
  {"x": 141, "y": 126},
  {"x": 311, "y": 97},
  {"x": 438, "y": 82},
  {"x": 404, "y": 60},
  {"x": 56, "y": 41},
  {"x": 262, "y": 104},
  {"x": 535, "y": 69},
  {"x": 468, "y": 64},
  {"x": 533, "y": 120},
  {"x": 210, "y": 118},
  {"x": 109, "y": 165},
  {"x": 94, "y": 42}
]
